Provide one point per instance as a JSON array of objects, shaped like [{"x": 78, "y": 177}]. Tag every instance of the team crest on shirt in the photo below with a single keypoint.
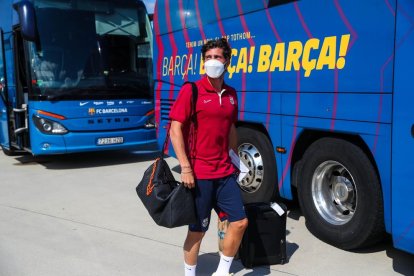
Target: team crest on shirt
[{"x": 231, "y": 100}]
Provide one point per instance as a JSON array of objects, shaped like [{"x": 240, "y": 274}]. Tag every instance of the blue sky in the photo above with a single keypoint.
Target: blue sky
[{"x": 150, "y": 5}]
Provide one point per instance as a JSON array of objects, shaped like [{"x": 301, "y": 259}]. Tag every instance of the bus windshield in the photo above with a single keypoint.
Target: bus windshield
[{"x": 91, "y": 49}]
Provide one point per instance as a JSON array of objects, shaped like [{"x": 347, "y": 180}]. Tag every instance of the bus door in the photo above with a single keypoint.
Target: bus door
[
  {"x": 18, "y": 113},
  {"x": 4, "y": 100},
  {"x": 403, "y": 131}
]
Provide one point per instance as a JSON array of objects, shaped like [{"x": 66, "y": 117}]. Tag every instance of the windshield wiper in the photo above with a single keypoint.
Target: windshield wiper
[
  {"x": 68, "y": 93},
  {"x": 62, "y": 94}
]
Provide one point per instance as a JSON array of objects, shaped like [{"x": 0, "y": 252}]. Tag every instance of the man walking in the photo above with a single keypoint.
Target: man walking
[{"x": 203, "y": 154}]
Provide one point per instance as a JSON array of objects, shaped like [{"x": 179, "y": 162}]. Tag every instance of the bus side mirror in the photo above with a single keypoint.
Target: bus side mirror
[{"x": 27, "y": 18}]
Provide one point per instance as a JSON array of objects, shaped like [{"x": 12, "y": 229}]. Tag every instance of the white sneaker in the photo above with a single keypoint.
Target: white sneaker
[{"x": 230, "y": 274}]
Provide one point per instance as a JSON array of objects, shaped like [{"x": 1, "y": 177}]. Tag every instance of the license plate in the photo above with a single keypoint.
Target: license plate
[{"x": 110, "y": 141}]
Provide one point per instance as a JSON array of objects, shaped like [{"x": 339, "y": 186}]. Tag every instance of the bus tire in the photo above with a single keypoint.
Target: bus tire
[
  {"x": 256, "y": 151},
  {"x": 340, "y": 194}
]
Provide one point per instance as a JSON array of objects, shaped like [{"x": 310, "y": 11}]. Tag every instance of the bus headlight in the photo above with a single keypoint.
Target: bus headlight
[{"x": 47, "y": 126}]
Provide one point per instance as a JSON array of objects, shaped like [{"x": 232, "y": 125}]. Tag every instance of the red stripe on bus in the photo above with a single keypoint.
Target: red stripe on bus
[
  {"x": 295, "y": 125},
  {"x": 251, "y": 42},
  {"x": 200, "y": 23},
  {"x": 220, "y": 23},
  {"x": 186, "y": 38},
  {"x": 172, "y": 44},
  {"x": 269, "y": 89},
  {"x": 384, "y": 66},
  {"x": 173, "y": 54},
  {"x": 302, "y": 20},
  {"x": 390, "y": 7},
  {"x": 272, "y": 26},
  {"x": 354, "y": 34},
  {"x": 297, "y": 107},
  {"x": 244, "y": 24},
  {"x": 354, "y": 37},
  {"x": 158, "y": 68}
]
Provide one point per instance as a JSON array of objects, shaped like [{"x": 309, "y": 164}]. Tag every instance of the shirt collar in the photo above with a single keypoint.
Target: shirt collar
[{"x": 208, "y": 87}]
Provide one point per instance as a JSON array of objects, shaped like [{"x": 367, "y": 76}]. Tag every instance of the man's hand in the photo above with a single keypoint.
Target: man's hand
[{"x": 187, "y": 178}]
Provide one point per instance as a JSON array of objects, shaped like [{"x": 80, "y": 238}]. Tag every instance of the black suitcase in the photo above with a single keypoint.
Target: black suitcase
[{"x": 264, "y": 241}]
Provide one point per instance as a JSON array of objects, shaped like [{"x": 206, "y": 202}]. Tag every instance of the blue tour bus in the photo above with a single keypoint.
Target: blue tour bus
[
  {"x": 325, "y": 90},
  {"x": 76, "y": 75}
]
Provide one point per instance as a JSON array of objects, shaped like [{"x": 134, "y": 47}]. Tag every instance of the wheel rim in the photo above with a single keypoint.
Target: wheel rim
[
  {"x": 253, "y": 160},
  {"x": 334, "y": 192}
]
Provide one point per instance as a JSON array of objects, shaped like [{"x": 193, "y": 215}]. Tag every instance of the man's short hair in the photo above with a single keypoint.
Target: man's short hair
[{"x": 217, "y": 43}]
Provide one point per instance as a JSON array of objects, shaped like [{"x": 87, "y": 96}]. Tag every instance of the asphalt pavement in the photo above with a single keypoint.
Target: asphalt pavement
[{"x": 79, "y": 214}]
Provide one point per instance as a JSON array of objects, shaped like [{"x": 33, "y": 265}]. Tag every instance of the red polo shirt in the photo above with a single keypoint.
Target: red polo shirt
[{"x": 215, "y": 114}]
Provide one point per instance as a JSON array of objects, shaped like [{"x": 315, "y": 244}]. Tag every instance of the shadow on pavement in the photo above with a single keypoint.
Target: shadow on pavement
[
  {"x": 291, "y": 248},
  {"x": 237, "y": 265},
  {"x": 402, "y": 262},
  {"x": 207, "y": 264},
  {"x": 87, "y": 159}
]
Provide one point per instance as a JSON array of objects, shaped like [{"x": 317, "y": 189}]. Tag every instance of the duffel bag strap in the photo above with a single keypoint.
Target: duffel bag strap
[
  {"x": 150, "y": 185},
  {"x": 193, "y": 114}
]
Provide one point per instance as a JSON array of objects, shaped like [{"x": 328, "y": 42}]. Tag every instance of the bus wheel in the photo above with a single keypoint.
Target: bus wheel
[
  {"x": 256, "y": 151},
  {"x": 340, "y": 195}
]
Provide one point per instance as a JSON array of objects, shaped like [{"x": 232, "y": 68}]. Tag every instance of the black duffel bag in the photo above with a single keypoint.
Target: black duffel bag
[{"x": 169, "y": 203}]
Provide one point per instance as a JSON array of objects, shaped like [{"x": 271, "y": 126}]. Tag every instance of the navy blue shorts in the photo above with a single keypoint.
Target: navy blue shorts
[{"x": 221, "y": 194}]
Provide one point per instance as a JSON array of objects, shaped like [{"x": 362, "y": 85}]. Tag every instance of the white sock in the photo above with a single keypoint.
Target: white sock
[
  {"x": 224, "y": 265},
  {"x": 189, "y": 270}
]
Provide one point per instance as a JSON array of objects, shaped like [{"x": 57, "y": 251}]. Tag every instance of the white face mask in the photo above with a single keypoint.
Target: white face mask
[{"x": 214, "y": 68}]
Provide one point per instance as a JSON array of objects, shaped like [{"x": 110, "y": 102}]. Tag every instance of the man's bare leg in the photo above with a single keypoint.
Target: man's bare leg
[
  {"x": 233, "y": 237},
  {"x": 191, "y": 248},
  {"x": 231, "y": 243}
]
